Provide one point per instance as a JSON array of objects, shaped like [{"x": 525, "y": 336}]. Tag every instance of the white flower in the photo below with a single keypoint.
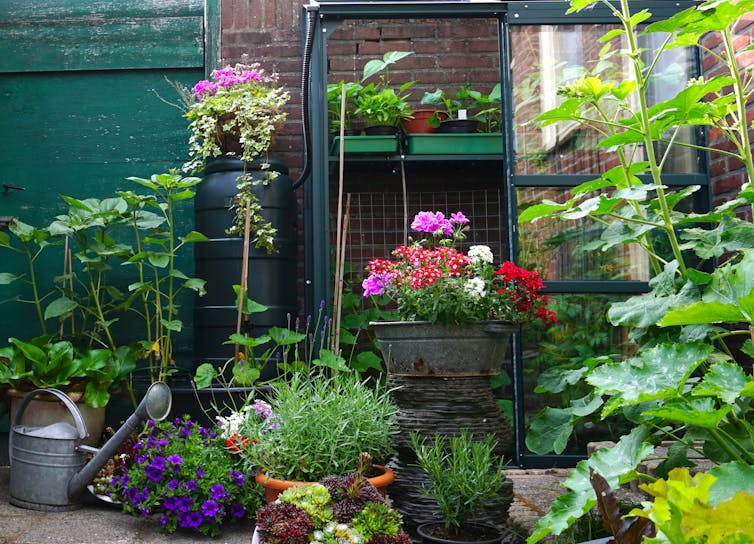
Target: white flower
[
  {"x": 481, "y": 254},
  {"x": 474, "y": 287}
]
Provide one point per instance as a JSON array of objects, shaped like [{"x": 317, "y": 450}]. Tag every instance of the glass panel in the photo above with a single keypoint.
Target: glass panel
[
  {"x": 555, "y": 248},
  {"x": 582, "y": 331},
  {"x": 545, "y": 57}
]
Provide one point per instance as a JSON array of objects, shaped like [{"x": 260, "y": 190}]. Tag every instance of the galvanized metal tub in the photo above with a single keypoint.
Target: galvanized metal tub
[
  {"x": 423, "y": 348},
  {"x": 44, "y": 459}
]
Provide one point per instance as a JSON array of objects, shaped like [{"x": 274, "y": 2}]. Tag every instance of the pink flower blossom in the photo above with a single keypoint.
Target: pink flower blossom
[
  {"x": 203, "y": 87},
  {"x": 373, "y": 284},
  {"x": 432, "y": 222},
  {"x": 458, "y": 218}
]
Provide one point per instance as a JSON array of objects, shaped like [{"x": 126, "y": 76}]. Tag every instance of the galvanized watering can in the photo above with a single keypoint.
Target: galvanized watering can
[{"x": 48, "y": 464}]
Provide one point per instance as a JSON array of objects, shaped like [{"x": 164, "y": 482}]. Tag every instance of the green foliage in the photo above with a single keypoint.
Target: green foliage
[
  {"x": 485, "y": 108},
  {"x": 464, "y": 473},
  {"x": 325, "y": 423},
  {"x": 378, "y": 103},
  {"x": 101, "y": 241},
  {"x": 334, "y": 100},
  {"x": 313, "y": 499},
  {"x": 682, "y": 385},
  {"x": 683, "y": 510},
  {"x": 377, "y": 518}
]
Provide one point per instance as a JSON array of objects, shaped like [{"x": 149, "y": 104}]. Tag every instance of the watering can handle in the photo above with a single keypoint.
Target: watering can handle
[{"x": 65, "y": 399}]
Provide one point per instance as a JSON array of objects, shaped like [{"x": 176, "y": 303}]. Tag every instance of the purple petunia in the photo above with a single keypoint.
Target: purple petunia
[
  {"x": 173, "y": 484},
  {"x": 218, "y": 492},
  {"x": 159, "y": 463},
  {"x": 204, "y": 87},
  {"x": 210, "y": 508},
  {"x": 175, "y": 460},
  {"x": 153, "y": 473},
  {"x": 191, "y": 520},
  {"x": 237, "y": 477},
  {"x": 189, "y": 486},
  {"x": 237, "y": 510},
  {"x": 171, "y": 503}
]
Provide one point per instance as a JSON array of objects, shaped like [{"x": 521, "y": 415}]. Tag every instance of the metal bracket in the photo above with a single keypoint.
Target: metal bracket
[{"x": 7, "y": 188}]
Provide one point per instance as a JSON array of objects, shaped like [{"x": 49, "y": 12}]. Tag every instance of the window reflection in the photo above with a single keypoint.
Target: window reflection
[
  {"x": 582, "y": 332},
  {"x": 546, "y": 57},
  {"x": 558, "y": 250}
]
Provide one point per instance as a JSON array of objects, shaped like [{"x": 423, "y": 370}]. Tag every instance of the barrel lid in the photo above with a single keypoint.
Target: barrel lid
[
  {"x": 55, "y": 431},
  {"x": 226, "y": 163}
]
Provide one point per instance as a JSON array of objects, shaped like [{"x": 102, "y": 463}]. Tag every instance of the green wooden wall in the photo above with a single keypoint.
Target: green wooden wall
[{"x": 80, "y": 112}]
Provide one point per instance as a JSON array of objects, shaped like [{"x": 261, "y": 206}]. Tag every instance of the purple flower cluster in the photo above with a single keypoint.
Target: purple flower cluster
[
  {"x": 436, "y": 223},
  {"x": 230, "y": 76},
  {"x": 185, "y": 471}
]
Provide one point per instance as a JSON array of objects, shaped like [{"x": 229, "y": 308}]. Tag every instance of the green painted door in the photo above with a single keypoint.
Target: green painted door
[{"x": 80, "y": 111}]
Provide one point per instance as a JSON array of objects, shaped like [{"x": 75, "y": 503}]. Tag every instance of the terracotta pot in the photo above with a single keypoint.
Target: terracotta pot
[
  {"x": 273, "y": 487},
  {"x": 420, "y": 123}
]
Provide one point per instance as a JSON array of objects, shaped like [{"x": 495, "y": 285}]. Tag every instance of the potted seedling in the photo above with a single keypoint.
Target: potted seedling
[{"x": 464, "y": 474}]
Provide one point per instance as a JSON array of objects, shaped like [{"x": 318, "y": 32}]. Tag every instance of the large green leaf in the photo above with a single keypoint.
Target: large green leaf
[
  {"x": 60, "y": 307},
  {"x": 285, "y": 337},
  {"x": 700, "y": 412},
  {"x": 7, "y": 277},
  {"x": 617, "y": 465},
  {"x": 723, "y": 380},
  {"x": 658, "y": 372},
  {"x": 550, "y": 430},
  {"x": 731, "y": 478}
]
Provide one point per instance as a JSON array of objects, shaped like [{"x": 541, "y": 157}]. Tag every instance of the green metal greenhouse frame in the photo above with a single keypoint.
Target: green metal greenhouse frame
[{"x": 328, "y": 15}]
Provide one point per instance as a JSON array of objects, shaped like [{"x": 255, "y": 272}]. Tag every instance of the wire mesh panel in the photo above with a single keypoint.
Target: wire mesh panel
[{"x": 376, "y": 221}]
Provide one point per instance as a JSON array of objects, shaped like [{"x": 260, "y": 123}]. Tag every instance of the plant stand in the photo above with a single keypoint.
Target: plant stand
[{"x": 445, "y": 405}]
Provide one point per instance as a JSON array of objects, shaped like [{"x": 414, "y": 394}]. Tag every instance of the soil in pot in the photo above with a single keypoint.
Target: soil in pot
[
  {"x": 459, "y": 126},
  {"x": 381, "y": 130},
  {"x": 469, "y": 532}
]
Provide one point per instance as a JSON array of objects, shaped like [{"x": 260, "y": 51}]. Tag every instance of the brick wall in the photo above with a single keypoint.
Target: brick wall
[{"x": 727, "y": 174}]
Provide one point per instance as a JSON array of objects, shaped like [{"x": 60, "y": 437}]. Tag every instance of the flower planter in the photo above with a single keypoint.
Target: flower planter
[
  {"x": 366, "y": 144},
  {"x": 422, "y": 348},
  {"x": 420, "y": 122},
  {"x": 458, "y": 126},
  {"x": 455, "y": 144},
  {"x": 47, "y": 409},
  {"x": 273, "y": 487}
]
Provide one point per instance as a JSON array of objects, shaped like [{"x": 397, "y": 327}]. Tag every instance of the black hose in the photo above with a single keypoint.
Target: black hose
[{"x": 305, "y": 90}]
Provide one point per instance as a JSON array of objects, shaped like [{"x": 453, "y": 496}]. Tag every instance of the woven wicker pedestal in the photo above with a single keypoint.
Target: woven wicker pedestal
[{"x": 445, "y": 405}]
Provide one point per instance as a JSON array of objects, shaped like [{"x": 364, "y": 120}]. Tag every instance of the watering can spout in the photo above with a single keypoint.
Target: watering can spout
[{"x": 155, "y": 405}]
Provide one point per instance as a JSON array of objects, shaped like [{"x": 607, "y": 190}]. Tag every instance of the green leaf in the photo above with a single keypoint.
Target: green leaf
[
  {"x": 328, "y": 359},
  {"x": 175, "y": 325},
  {"x": 96, "y": 395},
  {"x": 183, "y": 195},
  {"x": 366, "y": 360},
  {"x": 7, "y": 277},
  {"x": 248, "y": 341},
  {"x": 245, "y": 374},
  {"x": 376, "y": 65},
  {"x": 194, "y": 236},
  {"x": 544, "y": 209},
  {"x": 205, "y": 375},
  {"x": 195, "y": 284},
  {"x": 586, "y": 405},
  {"x": 698, "y": 412},
  {"x": 557, "y": 379},
  {"x": 550, "y": 430},
  {"x": 732, "y": 478},
  {"x": 59, "y": 307},
  {"x": 657, "y": 373},
  {"x": 285, "y": 337},
  {"x": 160, "y": 260},
  {"x": 145, "y": 183},
  {"x": 723, "y": 380}
]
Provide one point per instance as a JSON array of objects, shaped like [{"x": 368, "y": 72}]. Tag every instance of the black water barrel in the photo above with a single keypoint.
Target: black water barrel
[{"x": 272, "y": 277}]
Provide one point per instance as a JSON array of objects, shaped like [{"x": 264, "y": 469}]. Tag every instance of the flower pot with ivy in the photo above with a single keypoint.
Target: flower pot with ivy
[
  {"x": 244, "y": 104},
  {"x": 467, "y": 487}
]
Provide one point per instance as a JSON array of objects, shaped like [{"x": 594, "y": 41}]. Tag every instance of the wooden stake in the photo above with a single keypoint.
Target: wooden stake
[
  {"x": 338, "y": 239},
  {"x": 244, "y": 271},
  {"x": 339, "y": 287}
]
